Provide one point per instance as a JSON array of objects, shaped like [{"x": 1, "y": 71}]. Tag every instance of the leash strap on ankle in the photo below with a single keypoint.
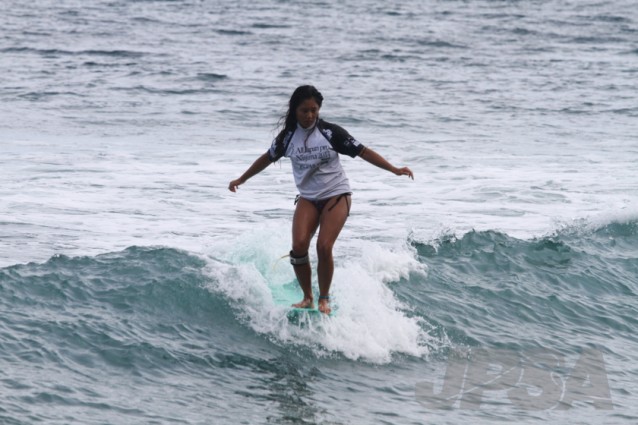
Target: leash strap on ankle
[{"x": 298, "y": 261}]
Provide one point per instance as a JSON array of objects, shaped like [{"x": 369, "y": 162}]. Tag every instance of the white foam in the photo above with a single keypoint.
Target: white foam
[
  {"x": 85, "y": 197},
  {"x": 370, "y": 323}
]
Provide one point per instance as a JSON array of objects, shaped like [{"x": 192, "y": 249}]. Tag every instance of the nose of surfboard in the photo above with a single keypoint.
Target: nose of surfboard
[{"x": 300, "y": 316}]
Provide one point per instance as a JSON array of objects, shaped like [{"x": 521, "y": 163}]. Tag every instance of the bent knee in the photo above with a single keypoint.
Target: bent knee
[
  {"x": 300, "y": 247},
  {"x": 324, "y": 248}
]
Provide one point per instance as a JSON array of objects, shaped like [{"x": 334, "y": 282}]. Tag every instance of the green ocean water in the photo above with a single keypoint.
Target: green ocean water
[{"x": 145, "y": 334}]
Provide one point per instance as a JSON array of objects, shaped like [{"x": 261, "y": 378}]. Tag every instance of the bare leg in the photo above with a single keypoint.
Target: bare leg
[
  {"x": 304, "y": 226},
  {"x": 332, "y": 219}
]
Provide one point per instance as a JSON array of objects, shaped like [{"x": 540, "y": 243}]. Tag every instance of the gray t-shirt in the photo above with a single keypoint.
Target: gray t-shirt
[{"x": 314, "y": 154}]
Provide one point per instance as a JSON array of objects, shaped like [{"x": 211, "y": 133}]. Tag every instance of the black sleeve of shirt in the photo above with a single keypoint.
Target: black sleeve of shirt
[
  {"x": 278, "y": 150},
  {"x": 341, "y": 140}
]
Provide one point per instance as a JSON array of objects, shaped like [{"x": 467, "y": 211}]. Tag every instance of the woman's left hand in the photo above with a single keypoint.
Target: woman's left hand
[
  {"x": 405, "y": 171},
  {"x": 375, "y": 159}
]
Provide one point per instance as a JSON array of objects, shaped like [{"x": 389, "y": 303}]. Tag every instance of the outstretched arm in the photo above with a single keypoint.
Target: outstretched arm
[
  {"x": 258, "y": 166},
  {"x": 375, "y": 159}
]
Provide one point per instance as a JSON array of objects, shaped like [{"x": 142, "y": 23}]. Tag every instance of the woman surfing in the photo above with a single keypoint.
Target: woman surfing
[{"x": 313, "y": 146}]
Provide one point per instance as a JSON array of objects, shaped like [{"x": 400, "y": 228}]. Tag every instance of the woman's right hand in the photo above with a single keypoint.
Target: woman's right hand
[
  {"x": 258, "y": 166},
  {"x": 233, "y": 185}
]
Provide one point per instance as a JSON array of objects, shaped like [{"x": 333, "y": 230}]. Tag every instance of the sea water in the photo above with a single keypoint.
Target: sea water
[{"x": 501, "y": 285}]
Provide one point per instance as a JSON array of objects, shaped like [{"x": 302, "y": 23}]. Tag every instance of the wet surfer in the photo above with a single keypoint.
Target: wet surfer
[{"x": 313, "y": 146}]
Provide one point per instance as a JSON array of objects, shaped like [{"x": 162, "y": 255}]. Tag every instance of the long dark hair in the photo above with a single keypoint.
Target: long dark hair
[{"x": 288, "y": 122}]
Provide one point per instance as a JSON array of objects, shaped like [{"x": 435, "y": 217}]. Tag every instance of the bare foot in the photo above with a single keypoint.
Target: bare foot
[
  {"x": 305, "y": 303},
  {"x": 324, "y": 305}
]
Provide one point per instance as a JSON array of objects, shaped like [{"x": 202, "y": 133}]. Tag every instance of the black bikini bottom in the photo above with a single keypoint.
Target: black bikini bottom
[{"x": 320, "y": 204}]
